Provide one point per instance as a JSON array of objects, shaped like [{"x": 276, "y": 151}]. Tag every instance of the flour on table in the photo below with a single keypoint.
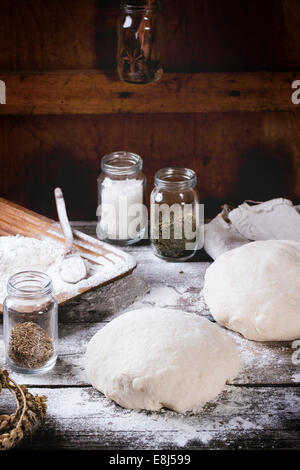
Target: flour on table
[
  {"x": 237, "y": 411},
  {"x": 168, "y": 296},
  {"x": 18, "y": 253}
]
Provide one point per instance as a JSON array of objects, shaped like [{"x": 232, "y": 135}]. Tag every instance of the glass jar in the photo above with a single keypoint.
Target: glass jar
[
  {"x": 122, "y": 214},
  {"x": 175, "y": 216},
  {"x": 140, "y": 30},
  {"x": 30, "y": 323}
]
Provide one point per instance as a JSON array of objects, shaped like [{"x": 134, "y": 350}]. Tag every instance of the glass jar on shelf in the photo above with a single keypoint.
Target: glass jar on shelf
[
  {"x": 140, "y": 30},
  {"x": 175, "y": 214},
  {"x": 122, "y": 214},
  {"x": 30, "y": 323}
]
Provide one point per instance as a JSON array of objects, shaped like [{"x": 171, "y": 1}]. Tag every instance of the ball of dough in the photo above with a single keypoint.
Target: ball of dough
[
  {"x": 152, "y": 358},
  {"x": 255, "y": 290},
  {"x": 73, "y": 269}
]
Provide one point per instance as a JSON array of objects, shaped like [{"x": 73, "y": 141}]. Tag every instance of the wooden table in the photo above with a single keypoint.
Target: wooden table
[{"x": 259, "y": 410}]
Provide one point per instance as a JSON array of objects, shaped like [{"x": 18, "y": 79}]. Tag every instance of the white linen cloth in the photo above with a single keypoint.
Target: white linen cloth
[{"x": 277, "y": 219}]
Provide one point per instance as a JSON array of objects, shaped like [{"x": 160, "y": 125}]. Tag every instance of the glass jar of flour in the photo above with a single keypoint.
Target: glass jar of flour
[
  {"x": 122, "y": 214},
  {"x": 30, "y": 323}
]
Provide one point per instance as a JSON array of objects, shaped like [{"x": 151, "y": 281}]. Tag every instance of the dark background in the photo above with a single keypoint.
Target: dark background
[{"x": 237, "y": 155}]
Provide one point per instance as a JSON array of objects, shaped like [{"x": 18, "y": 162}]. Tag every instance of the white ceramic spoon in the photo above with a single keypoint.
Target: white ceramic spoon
[{"x": 73, "y": 268}]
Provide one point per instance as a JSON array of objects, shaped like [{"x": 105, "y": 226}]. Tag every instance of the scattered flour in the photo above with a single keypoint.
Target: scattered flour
[
  {"x": 237, "y": 412},
  {"x": 168, "y": 296},
  {"x": 160, "y": 296},
  {"x": 258, "y": 354}
]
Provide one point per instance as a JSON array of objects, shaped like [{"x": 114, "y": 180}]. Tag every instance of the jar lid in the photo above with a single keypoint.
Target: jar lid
[
  {"x": 132, "y": 6},
  {"x": 176, "y": 178},
  {"x": 121, "y": 163},
  {"x": 29, "y": 284}
]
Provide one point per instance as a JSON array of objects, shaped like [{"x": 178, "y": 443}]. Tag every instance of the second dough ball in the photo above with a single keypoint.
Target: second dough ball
[{"x": 255, "y": 290}]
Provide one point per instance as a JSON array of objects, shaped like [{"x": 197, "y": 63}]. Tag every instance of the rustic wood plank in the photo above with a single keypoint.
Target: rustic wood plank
[
  {"x": 239, "y": 418},
  {"x": 94, "y": 92},
  {"x": 206, "y": 35},
  {"x": 231, "y": 35},
  {"x": 243, "y": 156},
  {"x": 44, "y": 35}
]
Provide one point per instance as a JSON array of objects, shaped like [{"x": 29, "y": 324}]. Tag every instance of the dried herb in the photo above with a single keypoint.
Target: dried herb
[
  {"x": 30, "y": 346},
  {"x": 174, "y": 224},
  {"x": 30, "y": 410}
]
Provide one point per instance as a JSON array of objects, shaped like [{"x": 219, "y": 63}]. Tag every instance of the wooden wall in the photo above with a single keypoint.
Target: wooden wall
[{"x": 243, "y": 145}]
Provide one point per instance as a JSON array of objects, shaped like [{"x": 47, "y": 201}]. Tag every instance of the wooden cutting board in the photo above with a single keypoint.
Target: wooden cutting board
[{"x": 16, "y": 220}]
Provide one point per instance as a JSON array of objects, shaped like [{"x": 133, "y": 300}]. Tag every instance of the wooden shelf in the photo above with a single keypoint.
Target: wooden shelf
[{"x": 95, "y": 92}]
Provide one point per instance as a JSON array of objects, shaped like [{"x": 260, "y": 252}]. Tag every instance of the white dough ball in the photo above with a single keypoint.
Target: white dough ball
[
  {"x": 152, "y": 358},
  {"x": 255, "y": 290},
  {"x": 73, "y": 269}
]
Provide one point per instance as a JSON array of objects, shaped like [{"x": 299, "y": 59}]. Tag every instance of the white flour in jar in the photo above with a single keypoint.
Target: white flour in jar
[{"x": 121, "y": 207}]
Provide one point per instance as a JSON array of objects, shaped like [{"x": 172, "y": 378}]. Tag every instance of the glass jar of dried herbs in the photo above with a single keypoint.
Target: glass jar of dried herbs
[
  {"x": 140, "y": 30},
  {"x": 175, "y": 215},
  {"x": 30, "y": 323}
]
